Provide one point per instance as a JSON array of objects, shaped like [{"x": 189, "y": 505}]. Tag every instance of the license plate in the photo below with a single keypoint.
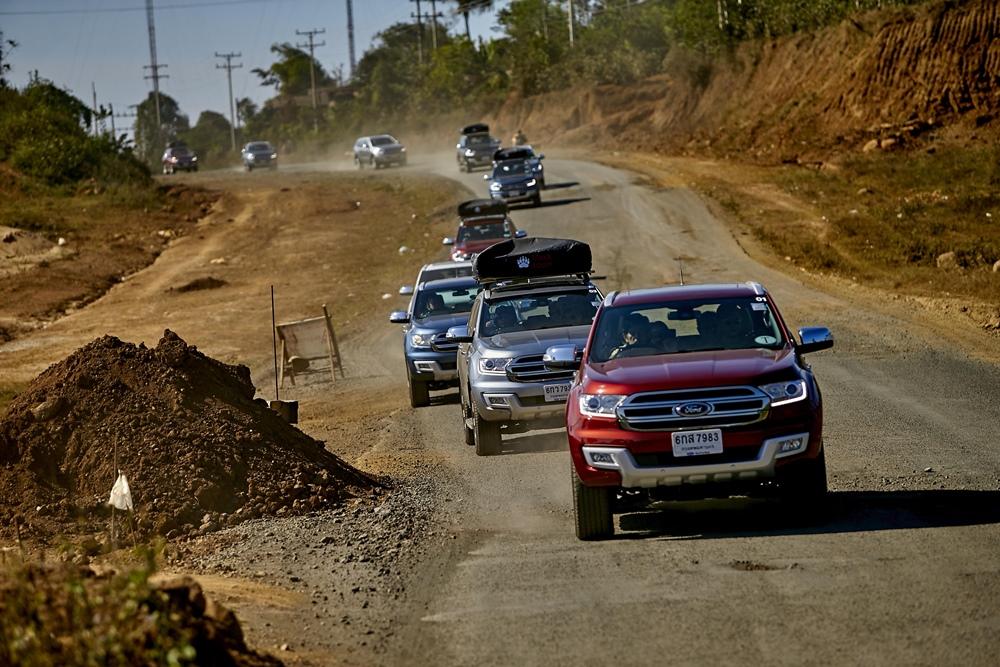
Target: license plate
[
  {"x": 697, "y": 443},
  {"x": 516, "y": 193},
  {"x": 557, "y": 392}
]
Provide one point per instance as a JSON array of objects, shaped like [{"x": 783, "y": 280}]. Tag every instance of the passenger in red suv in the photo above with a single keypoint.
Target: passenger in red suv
[{"x": 691, "y": 392}]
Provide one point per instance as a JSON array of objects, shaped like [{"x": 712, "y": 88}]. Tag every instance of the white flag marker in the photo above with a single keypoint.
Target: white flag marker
[{"x": 121, "y": 495}]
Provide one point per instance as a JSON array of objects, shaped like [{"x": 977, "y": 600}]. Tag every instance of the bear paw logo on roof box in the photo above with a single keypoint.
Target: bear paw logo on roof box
[{"x": 523, "y": 262}]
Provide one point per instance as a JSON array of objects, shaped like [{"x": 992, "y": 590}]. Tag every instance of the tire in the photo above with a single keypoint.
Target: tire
[
  {"x": 591, "y": 510},
  {"x": 165, "y": 172},
  {"x": 486, "y": 435},
  {"x": 536, "y": 200},
  {"x": 249, "y": 167},
  {"x": 805, "y": 481},
  {"x": 194, "y": 168},
  {"x": 420, "y": 397},
  {"x": 358, "y": 163}
]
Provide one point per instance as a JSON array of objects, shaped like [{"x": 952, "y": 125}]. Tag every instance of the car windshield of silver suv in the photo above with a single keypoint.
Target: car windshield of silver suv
[
  {"x": 545, "y": 311},
  {"x": 739, "y": 323}
]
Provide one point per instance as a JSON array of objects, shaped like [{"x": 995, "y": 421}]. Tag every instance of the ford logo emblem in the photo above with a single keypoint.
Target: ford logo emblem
[{"x": 693, "y": 409}]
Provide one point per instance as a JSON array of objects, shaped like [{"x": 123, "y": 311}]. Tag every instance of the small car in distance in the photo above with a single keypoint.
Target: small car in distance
[
  {"x": 481, "y": 224},
  {"x": 524, "y": 153},
  {"x": 381, "y": 150},
  {"x": 259, "y": 154},
  {"x": 690, "y": 392},
  {"x": 178, "y": 157},
  {"x": 515, "y": 179},
  {"x": 437, "y": 306},
  {"x": 475, "y": 147}
]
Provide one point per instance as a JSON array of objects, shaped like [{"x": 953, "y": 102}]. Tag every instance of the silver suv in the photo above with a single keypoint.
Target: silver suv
[{"x": 504, "y": 384}]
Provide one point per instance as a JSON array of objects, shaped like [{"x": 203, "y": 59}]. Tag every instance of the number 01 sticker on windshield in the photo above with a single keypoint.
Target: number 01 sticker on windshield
[{"x": 696, "y": 443}]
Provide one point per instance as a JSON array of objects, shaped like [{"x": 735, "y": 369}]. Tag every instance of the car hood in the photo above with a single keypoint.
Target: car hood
[
  {"x": 439, "y": 323},
  {"x": 390, "y": 147},
  {"x": 689, "y": 370},
  {"x": 513, "y": 180},
  {"x": 537, "y": 341}
]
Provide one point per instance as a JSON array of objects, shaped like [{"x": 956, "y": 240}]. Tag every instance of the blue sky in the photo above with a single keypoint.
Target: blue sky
[{"x": 109, "y": 48}]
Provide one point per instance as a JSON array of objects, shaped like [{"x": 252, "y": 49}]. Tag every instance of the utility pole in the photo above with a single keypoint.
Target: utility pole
[
  {"x": 420, "y": 32},
  {"x": 350, "y": 34},
  {"x": 229, "y": 67},
  {"x": 154, "y": 69},
  {"x": 570, "y": 16},
  {"x": 111, "y": 115},
  {"x": 434, "y": 25},
  {"x": 312, "y": 65},
  {"x": 93, "y": 90}
]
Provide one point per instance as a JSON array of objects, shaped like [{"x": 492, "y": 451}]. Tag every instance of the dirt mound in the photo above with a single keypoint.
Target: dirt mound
[
  {"x": 198, "y": 450},
  {"x": 200, "y": 284},
  {"x": 888, "y": 76}
]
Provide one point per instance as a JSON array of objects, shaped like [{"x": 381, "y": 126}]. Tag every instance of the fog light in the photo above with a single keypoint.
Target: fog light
[
  {"x": 424, "y": 366},
  {"x": 497, "y": 400},
  {"x": 790, "y": 445},
  {"x": 601, "y": 457}
]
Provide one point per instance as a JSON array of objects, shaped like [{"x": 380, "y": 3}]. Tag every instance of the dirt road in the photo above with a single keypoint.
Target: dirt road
[{"x": 905, "y": 569}]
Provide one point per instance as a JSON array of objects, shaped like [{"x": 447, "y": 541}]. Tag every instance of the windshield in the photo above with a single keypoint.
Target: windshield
[
  {"x": 450, "y": 301},
  {"x": 180, "y": 151},
  {"x": 263, "y": 146},
  {"x": 512, "y": 168},
  {"x": 545, "y": 311},
  {"x": 384, "y": 140},
  {"x": 740, "y": 323},
  {"x": 480, "y": 140},
  {"x": 457, "y": 271},
  {"x": 485, "y": 231}
]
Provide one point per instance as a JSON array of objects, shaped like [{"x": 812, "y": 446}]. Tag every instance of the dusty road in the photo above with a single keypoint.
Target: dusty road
[{"x": 905, "y": 569}]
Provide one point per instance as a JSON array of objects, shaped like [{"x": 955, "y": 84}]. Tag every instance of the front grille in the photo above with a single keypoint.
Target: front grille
[
  {"x": 668, "y": 460},
  {"x": 442, "y": 344},
  {"x": 727, "y": 406},
  {"x": 530, "y": 368}
]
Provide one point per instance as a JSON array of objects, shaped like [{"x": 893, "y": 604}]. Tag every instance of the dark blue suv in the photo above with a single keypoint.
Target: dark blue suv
[{"x": 437, "y": 306}]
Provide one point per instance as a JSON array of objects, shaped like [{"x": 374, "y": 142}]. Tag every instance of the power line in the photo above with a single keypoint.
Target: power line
[
  {"x": 229, "y": 67},
  {"x": 115, "y": 10},
  {"x": 310, "y": 34}
]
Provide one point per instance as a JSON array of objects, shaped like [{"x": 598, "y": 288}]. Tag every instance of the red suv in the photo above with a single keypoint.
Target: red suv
[
  {"x": 482, "y": 223},
  {"x": 694, "y": 391}
]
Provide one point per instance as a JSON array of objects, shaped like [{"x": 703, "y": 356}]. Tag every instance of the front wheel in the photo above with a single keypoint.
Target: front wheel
[
  {"x": 591, "y": 510},
  {"x": 486, "y": 435},
  {"x": 358, "y": 163},
  {"x": 537, "y": 200},
  {"x": 420, "y": 397},
  {"x": 805, "y": 481}
]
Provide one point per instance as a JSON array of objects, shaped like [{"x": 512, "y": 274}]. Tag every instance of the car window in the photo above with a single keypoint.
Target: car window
[
  {"x": 511, "y": 168},
  {"x": 384, "y": 140},
  {"x": 545, "y": 311},
  {"x": 449, "y": 301},
  {"x": 738, "y": 323},
  {"x": 486, "y": 231},
  {"x": 260, "y": 146},
  {"x": 480, "y": 140},
  {"x": 459, "y": 271}
]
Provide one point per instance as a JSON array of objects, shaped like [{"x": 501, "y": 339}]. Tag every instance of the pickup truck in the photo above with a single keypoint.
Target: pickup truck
[{"x": 696, "y": 391}]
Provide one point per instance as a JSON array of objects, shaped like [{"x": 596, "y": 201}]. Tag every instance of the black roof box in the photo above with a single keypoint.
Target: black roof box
[
  {"x": 481, "y": 208},
  {"x": 531, "y": 258},
  {"x": 513, "y": 153},
  {"x": 476, "y": 128}
]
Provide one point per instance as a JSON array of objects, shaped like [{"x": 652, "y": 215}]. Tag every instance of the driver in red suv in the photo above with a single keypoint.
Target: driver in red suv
[{"x": 691, "y": 392}]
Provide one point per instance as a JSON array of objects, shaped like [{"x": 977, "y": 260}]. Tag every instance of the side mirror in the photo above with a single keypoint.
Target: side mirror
[
  {"x": 459, "y": 334},
  {"x": 541, "y": 156},
  {"x": 486, "y": 177},
  {"x": 520, "y": 234},
  {"x": 399, "y": 317},
  {"x": 406, "y": 290},
  {"x": 562, "y": 357},
  {"x": 447, "y": 241},
  {"x": 814, "y": 339}
]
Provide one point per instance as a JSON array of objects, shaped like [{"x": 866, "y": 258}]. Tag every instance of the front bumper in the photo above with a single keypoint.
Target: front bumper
[
  {"x": 432, "y": 366},
  {"x": 633, "y": 475},
  {"x": 501, "y": 400},
  {"x": 383, "y": 160},
  {"x": 478, "y": 160},
  {"x": 516, "y": 194}
]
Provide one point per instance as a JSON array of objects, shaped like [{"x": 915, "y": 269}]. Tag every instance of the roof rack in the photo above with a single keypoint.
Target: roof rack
[
  {"x": 503, "y": 284},
  {"x": 757, "y": 288}
]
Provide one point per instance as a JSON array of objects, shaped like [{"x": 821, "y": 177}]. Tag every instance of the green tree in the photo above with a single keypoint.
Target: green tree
[
  {"x": 210, "y": 136},
  {"x": 150, "y": 139},
  {"x": 290, "y": 75}
]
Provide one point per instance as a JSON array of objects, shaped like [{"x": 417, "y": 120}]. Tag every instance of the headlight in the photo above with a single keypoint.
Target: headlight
[
  {"x": 459, "y": 256},
  {"x": 420, "y": 340},
  {"x": 376, "y": 151},
  {"x": 469, "y": 152},
  {"x": 194, "y": 159},
  {"x": 530, "y": 184},
  {"x": 600, "y": 405},
  {"x": 495, "y": 187},
  {"x": 538, "y": 168},
  {"x": 274, "y": 156},
  {"x": 782, "y": 393},
  {"x": 402, "y": 149},
  {"x": 251, "y": 157},
  {"x": 494, "y": 366}
]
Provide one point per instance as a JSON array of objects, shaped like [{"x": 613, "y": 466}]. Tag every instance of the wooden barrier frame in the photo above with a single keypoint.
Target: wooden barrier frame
[{"x": 310, "y": 339}]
